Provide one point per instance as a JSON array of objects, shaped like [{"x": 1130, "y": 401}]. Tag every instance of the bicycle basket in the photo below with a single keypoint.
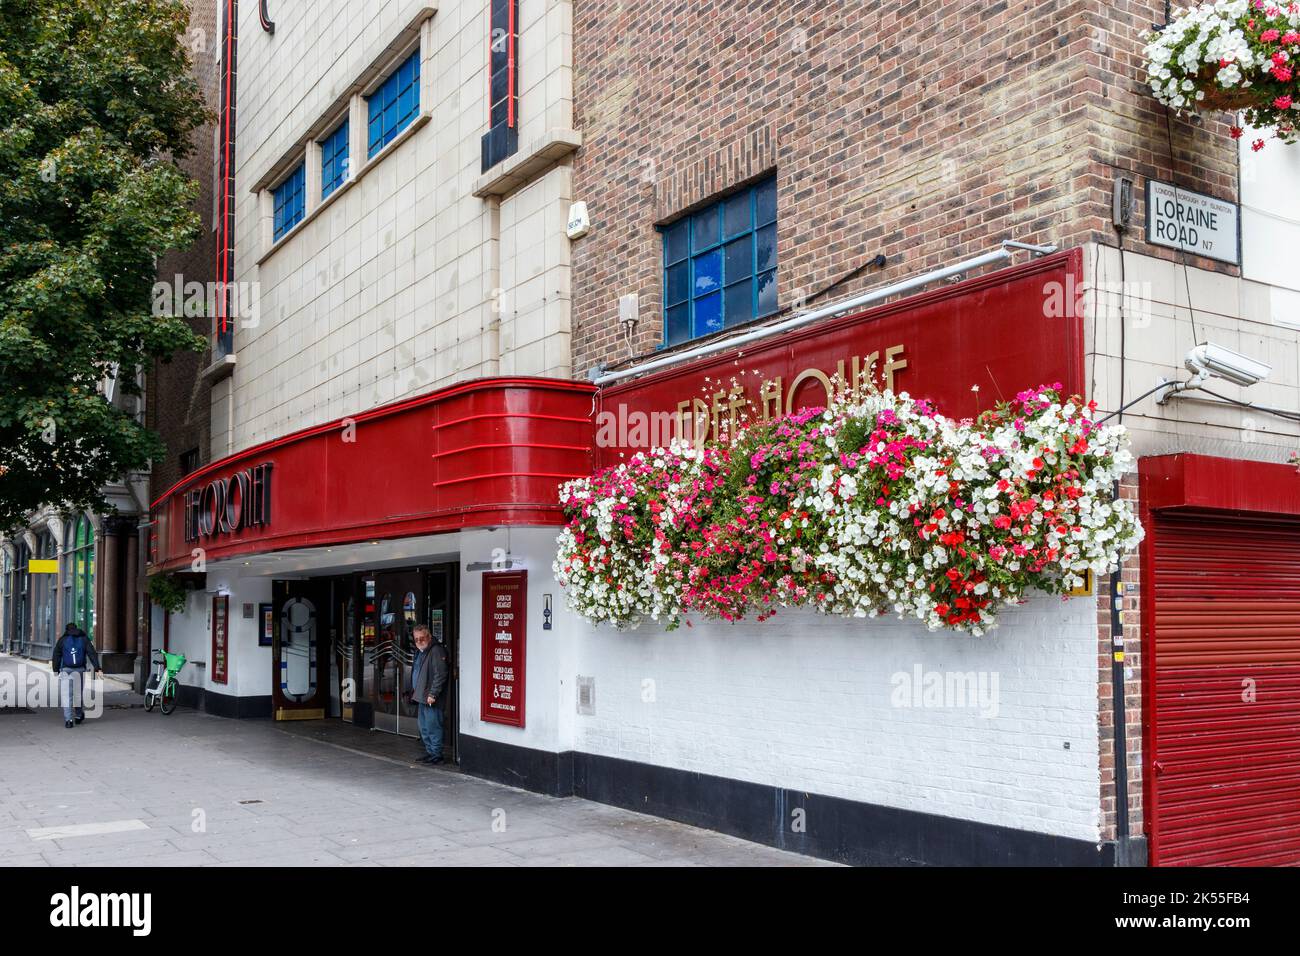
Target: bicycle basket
[{"x": 174, "y": 663}]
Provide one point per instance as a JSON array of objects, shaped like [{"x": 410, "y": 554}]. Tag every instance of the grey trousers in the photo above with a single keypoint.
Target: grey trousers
[{"x": 71, "y": 692}]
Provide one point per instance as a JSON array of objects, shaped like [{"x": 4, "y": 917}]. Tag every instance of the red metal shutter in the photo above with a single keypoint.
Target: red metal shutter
[{"x": 1224, "y": 769}]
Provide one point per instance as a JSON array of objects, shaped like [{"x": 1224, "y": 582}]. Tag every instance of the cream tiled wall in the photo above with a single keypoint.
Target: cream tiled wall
[
  {"x": 405, "y": 280},
  {"x": 1236, "y": 313}
]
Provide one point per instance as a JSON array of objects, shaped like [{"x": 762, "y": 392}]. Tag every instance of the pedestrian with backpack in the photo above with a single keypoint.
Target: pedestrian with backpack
[{"x": 71, "y": 655}]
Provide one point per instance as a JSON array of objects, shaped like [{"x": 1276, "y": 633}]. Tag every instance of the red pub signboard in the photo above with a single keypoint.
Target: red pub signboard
[
  {"x": 963, "y": 347},
  {"x": 505, "y": 596}
]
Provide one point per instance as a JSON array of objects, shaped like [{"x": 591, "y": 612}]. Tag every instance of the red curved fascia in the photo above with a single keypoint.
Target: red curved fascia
[{"x": 487, "y": 452}]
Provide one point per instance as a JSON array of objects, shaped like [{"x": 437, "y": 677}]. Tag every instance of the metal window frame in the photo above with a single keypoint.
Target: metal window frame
[
  {"x": 290, "y": 194},
  {"x": 389, "y": 93},
  {"x": 334, "y": 146},
  {"x": 721, "y": 243}
]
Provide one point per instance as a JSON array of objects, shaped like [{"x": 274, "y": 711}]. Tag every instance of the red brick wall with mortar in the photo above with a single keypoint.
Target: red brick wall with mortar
[
  {"x": 178, "y": 403},
  {"x": 927, "y": 132}
]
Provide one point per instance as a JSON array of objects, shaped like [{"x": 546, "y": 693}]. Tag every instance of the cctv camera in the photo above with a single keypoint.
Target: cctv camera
[{"x": 1209, "y": 359}]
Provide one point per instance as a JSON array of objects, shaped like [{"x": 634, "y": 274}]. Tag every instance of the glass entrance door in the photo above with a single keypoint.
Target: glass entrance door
[{"x": 399, "y": 606}]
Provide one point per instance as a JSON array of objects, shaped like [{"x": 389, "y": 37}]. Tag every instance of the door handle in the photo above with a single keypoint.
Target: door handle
[{"x": 1158, "y": 766}]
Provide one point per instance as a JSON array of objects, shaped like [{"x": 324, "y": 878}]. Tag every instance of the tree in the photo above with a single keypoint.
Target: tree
[{"x": 97, "y": 102}]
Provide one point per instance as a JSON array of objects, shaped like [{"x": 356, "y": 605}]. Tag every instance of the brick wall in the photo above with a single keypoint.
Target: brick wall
[
  {"x": 927, "y": 132},
  {"x": 1130, "y": 575},
  {"x": 178, "y": 401}
]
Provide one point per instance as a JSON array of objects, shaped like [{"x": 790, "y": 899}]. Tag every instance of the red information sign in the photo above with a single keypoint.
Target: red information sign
[
  {"x": 220, "y": 635},
  {"x": 505, "y": 602}
]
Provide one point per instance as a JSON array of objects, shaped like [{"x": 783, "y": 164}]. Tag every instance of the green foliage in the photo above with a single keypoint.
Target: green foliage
[
  {"x": 167, "y": 592},
  {"x": 96, "y": 104}
]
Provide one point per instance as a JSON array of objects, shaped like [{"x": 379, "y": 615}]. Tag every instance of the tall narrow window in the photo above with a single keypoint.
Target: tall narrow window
[
  {"x": 334, "y": 160},
  {"x": 393, "y": 106},
  {"x": 21, "y": 634},
  {"x": 289, "y": 206},
  {"x": 47, "y": 593},
  {"x": 502, "y": 137},
  {"x": 6, "y": 592},
  {"x": 720, "y": 264},
  {"x": 79, "y": 574}
]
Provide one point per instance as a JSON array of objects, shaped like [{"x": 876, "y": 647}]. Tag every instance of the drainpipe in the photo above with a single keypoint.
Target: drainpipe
[{"x": 1118, "y": 709}]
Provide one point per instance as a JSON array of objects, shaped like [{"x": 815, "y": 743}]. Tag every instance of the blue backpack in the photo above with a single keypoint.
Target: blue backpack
[{"x": 74, "y": 651}]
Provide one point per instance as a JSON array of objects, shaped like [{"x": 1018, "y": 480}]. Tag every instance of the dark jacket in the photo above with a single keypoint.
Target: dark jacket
[
  {"x": 430, "y": 674},
  {"x": 92, "y": 657}
]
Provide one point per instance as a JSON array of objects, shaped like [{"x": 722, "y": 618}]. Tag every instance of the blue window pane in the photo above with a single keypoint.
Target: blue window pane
[
  {"x": 708, "y": 272},
  {"x": 406, "y": 105},
  {"x": 678, "y": 322},
  {"x": 765, "y": 203},
  {"x": 735, "y": 215},
  {"x": 704, "y": 229},
  {"x": 740, "y": 258},
  {"x": 288, "y": 202},
  {"x": 766, "y": 248},
  {"x": 739, "y": 305},
  {"x": 675, "y": 242},
  {"x": 334, "y": 160},
  {"x": 720, "y": 264},
  {"x": 767, "y": 293},
  {"x": 708, "y": 314},
  {"x": 500, "y": 84},
  {"x": 678, "y": 284},
  {"x": 393, "y": 106}
]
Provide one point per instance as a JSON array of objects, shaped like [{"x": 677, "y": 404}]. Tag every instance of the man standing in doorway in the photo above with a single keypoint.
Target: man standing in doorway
[{"x": 428, "y": 678}]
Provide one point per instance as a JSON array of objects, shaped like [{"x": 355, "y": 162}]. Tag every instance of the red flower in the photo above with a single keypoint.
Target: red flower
[
  {"x": 1236, "y": 132},
  {"x": 1282, "y": 102},
  {"x": 1257, "y": 145},
  {"x": 1282, "y": 74},
  {"x": 1268, "y": 36}
]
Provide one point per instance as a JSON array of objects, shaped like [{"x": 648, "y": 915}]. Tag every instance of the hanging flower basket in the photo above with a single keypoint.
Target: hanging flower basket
[
  {"x": 877, "y": 505},
  {"x": 1231, "y": 56},
  {"x": 1216, "y": 98}
]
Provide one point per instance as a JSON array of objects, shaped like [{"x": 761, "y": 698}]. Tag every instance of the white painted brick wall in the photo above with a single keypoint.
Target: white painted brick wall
[{"x": 803, "y": 701}]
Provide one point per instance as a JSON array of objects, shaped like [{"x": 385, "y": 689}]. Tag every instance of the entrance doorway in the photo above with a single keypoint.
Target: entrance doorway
[
  {"x": 392, "y": 604},
  {"x": 300, "y": 676},
  {"x": 344, "y": 647},
  {"x": 399, "y": 606}
]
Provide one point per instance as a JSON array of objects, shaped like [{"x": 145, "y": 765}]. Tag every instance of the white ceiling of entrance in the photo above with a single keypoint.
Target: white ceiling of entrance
[{"x": 341, "y": 559}]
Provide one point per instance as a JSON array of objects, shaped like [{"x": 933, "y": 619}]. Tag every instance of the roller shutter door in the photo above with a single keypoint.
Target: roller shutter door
[{"x": 1224, "y": 766}]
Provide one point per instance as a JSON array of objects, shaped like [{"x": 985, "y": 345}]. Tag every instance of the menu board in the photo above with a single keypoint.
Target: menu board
[
  {"x": 505, "y": 605},
  {"x": 220, "y": 636}
]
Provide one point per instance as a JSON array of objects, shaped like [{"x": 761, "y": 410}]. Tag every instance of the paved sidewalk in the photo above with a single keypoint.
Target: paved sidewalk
[{"x": 132, "y": 788}]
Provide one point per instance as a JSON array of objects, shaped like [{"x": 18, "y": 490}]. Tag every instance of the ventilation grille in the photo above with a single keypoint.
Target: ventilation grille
[{"x": 587, "y": 696}]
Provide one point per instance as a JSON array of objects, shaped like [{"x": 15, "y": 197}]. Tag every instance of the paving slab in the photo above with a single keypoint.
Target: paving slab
[{"x": 310, "y": 793}]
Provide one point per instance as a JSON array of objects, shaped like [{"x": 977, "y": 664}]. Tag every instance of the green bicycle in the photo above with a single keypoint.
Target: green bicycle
[{"x": 163, "y": 685}]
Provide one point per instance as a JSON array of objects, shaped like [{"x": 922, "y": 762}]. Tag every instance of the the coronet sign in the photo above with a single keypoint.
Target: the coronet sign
[{"x": 227, "y": 505}]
